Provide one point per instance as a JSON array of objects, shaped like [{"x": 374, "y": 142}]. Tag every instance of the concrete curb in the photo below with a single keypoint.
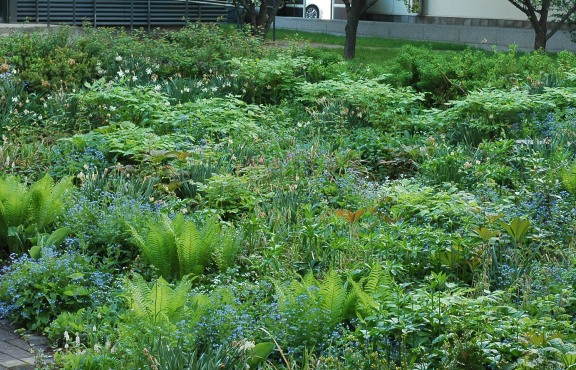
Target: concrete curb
[{"x": 480, "y": 37}]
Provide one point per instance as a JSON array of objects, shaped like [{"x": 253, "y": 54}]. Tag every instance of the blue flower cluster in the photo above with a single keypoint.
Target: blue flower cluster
[{"x": 34, "y": 292}]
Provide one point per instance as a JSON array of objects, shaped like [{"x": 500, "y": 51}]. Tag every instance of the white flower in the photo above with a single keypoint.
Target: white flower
[
  {"x": 118, "y": 58},
  {"x": 247, "y": 346},
  {"x": 66, "y": 336},
  {"x": 157, "y": 87},
  {"x": 149, "y": 71},
  {"x": 27, "y": 101},
  {"x": 167, "y": 103},
  {"x": 204, "y": 89},
  {"x": 77, "y": 339},
  {"x": 186, "y": 89},
  {"x": 15, "y": 99},
  {"x": 126, "y": 71},
  {"x": 120, "y": 73},
  {"x": 214, "y": 89},
  {"x": 134, "y": 78},
  {"x": 94, "y": 328},
  {"x": 96, "y": 348}
]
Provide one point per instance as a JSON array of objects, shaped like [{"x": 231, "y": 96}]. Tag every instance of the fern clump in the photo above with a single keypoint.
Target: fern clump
[
  {"x": 178, "y": 248},
  {"x": 159, "y": 302},
  {"x": 331, "y": 301},
  {"x": 26, "y": 211}
]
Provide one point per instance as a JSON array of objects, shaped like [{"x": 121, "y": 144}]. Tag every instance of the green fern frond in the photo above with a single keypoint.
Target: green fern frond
[
  {"x": 158, "y": 247},
  {"x": 333, "y": 298},
  {"x": 159, "y": 303},
  {"x": 178, "y": 224},
  {"x": 373, "y": 279},
  {"x": 190, "y": 250},
  {"x": 160, "y": 296},
  {"x": 16, "y": 203},
  {"x": 178, "y": 298},
  {"x": 227, "y": 250},
  {"x": 350, "y": 304},
  {"x": 282, "y": 297},
  {"x": 378, "y": 283},
  {"x": 210, "y": 234},
  {"x": 137, "y": 294},
  {"x": 47, "y": 200},
  {"x": 365, "y": 304}
]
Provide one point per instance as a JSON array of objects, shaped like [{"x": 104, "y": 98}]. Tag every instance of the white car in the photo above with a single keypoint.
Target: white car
[{"x": 318, "y": 9}]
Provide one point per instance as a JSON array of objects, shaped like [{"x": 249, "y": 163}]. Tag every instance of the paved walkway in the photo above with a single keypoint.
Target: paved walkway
[{"x": 16, "y": 353}]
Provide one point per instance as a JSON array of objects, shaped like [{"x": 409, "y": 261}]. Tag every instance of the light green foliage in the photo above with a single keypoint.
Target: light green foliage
[
  {"x": 48, "y": 241},
  {"x": 379, "y": 102},
  {"x": 126, "y": 140},
  {"x": 271, "y": 78},
  {"x": 565, "y": 352},
  {"x": 335, "y": 300},
  {"x": 152, "y": 114},
  {"x": 26, "y": 211},
  {"x": 160, "y": 302},
  {"x": 220, "y": 118},
  {"x": 177, "y": 248},
  {"x": 411, "y": 199}
]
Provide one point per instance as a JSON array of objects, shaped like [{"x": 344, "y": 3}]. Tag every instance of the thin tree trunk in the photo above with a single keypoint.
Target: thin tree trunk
[
  {"x": 540, "y": 39},
  {"x": 350, "y": 43}
]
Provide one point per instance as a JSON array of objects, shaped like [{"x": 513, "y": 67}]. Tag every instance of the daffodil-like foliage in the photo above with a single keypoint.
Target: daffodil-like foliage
[
  {"x": 26, "y": 211},
  {"x": 178, "y": 248}
]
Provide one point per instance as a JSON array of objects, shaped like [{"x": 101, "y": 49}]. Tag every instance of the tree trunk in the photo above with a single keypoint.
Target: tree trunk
[
  {"x": 351, "y": 28},
  {"x": 540, "y": 40}
]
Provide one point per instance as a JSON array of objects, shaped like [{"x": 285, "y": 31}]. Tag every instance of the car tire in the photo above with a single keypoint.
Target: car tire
[{"x": 312, "y": 12}]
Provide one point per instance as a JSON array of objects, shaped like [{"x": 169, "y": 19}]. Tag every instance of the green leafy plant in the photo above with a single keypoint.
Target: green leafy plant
[
  {"x": 35, "y": 291},
  {"x": 158, "y": 303},
  {"x": 177, "y": 248},
  {"x": 26, "y": 211}
]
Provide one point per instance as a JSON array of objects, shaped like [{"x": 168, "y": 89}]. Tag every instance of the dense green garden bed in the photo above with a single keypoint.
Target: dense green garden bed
[{"x": 197, "y": 200}]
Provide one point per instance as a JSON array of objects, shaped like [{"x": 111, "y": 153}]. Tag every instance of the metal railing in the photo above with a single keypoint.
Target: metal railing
[{"x": 126, "y": 13}]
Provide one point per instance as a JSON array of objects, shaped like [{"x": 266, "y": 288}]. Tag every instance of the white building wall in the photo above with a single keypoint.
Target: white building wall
[{"x": 485, "y": 9}]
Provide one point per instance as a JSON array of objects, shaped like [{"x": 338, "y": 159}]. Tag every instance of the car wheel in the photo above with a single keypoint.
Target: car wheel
[{"x": 312, "y": 12}]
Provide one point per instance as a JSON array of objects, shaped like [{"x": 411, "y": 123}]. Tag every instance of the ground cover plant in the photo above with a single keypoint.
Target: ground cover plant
[{"x": 201, "y": 200}]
